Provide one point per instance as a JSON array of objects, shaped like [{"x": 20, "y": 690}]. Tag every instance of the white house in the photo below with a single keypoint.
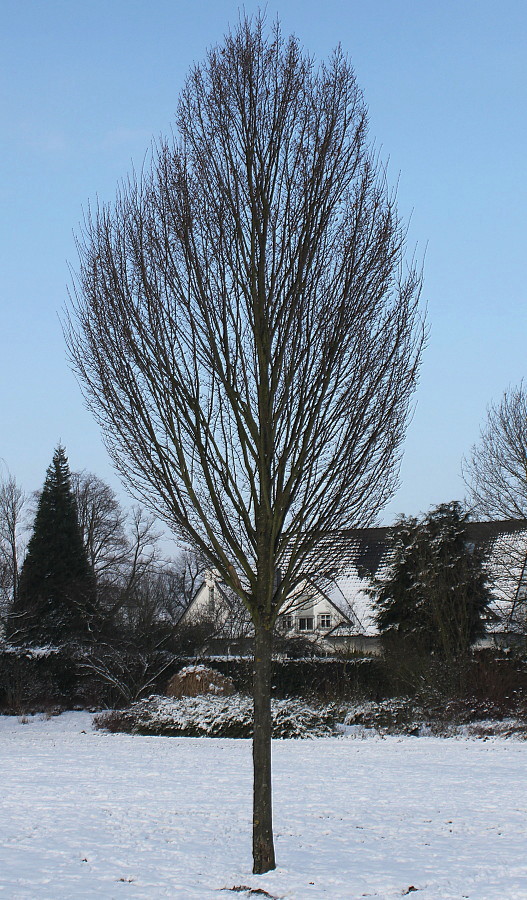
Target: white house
[{"x": 342, "y": 614}]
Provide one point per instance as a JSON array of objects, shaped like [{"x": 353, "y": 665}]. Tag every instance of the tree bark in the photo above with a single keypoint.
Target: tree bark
[{"x": 263, "y": 845}]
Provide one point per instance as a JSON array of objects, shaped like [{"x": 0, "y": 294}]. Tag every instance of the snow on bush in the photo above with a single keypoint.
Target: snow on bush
[
  {"x": 454, "y": 717},
  {"x": 214, "y": 716},
  {"x": 194, "y": 680},
  {"x": 29, "y": 651}
]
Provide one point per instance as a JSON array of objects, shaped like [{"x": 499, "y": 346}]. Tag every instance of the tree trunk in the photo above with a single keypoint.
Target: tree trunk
[{"x": 263, "y": 846}]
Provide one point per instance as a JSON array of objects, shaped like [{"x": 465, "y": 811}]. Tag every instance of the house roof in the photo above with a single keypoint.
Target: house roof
[{"x": 368, "y": 554}]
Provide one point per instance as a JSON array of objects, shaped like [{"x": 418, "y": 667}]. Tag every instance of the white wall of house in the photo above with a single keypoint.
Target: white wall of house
[
  {"x": 315, "y": 616},
  {"x": 207, "y": 603}
]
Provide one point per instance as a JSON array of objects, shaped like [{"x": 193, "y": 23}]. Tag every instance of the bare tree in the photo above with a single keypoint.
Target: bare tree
[
  {"x": 496, "y": 470},
  {"x": 495, "y": 474},
  {"x": 124, "y": 553},
  {"x": 142, "y": 557},
  {"x": 191, "y": 566},
  {"x": 12, "y": 502},
  {"x": 247, "y": 334},
  {"x": 102, "y": 523}
]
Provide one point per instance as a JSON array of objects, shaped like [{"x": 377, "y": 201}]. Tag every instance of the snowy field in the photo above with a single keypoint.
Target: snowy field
[{"x": 90, "y": 815}]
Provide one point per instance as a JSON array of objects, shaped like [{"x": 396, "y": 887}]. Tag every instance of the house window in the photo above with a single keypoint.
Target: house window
[
  {"x": 306, "y": 623},
  {"x": 287, "y": 623},
  {"x": 324, "y": 621}
]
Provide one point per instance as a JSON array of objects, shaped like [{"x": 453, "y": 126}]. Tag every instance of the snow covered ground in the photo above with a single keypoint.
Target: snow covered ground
[{"x": 90, "y": 815}]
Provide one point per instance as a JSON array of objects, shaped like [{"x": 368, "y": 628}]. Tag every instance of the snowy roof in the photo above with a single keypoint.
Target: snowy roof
[{"x": 368, "y": 555}]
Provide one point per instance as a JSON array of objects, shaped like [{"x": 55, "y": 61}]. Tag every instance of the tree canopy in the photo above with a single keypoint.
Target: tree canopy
[
  {"x": 247, "y": 331},
  {"x": 435, "y": 593},
  {"x": 496, "y": 470},
  {"x": 56, "y": 596}
]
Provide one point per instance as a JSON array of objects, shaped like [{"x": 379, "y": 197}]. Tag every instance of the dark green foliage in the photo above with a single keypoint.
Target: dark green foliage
[
  {"x": 436, "y": 592},
  {"x": 56, "y": 597},
  {"x": 314, "y": 679},
  {"x": 33, "y": 682}
]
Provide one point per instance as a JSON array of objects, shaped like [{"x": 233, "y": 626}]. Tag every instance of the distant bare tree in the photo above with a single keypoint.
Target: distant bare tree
[
  {"x": 495, "y": 474},
  {"x": 12, "y": 503},
  {"x": 247, "y": 333},
  {"x": 191, "y": 566},
  {"x": 102, "y": 522},
  {"x": 122, "y": 547},
  {"x": 136, "y": 586},
  {"x": 142, "y": 558},
  {"x": 496, "y": 470}
]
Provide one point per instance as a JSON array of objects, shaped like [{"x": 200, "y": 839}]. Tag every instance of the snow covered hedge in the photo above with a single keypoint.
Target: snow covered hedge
[
  {"x": 214, "y": 716},
  {"x": 405, "y": 716}
]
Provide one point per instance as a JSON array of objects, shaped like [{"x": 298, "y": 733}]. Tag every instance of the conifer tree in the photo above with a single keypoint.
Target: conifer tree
[
  {"x": 435, "y": 594},
  {"x": 56, "y": 598}
]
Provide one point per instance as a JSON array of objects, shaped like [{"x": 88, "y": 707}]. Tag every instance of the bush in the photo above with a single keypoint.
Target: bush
[
  {"x": 36, "y": 680},
  {"x": 213, "y": 716},
  {"x": 316, "y": 680},
  {"x": 101, "y": 676},
  {"x": 194, "y": 680},
  {"x": 410, "y": 716},
  {"x": 484, "y": 675}
]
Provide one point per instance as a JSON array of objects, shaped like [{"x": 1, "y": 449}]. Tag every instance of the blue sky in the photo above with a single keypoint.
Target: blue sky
[{"x": 86, "y": 85}]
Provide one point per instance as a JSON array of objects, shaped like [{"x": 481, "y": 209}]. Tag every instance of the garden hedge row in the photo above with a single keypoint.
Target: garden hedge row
[{"x": 76, "y": 677}]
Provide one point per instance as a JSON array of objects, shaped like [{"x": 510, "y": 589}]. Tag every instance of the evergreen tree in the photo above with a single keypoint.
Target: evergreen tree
[
  {"x": 56, "y": 597},
  {"x": 436, "y": 592}
]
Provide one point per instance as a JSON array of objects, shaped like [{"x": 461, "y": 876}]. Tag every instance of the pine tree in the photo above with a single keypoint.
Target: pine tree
[
  {"x": 56, "y": 597},
  {"x": 436, "y": 592}
]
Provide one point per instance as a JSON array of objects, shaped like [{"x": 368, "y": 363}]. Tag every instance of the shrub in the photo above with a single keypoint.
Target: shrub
[
  {"x": 411, "y": 716},
  {"x": 194, "y": 680},
  {"x": 213, "y": 716},
  {"x": 34, "y": 679}
]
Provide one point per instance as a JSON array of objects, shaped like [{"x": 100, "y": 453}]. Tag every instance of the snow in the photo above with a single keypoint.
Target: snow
[
  {"x": 87, "y": 814},
  {"x": 349, "y": 594},
  {"x": 209, "y": 715}
]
